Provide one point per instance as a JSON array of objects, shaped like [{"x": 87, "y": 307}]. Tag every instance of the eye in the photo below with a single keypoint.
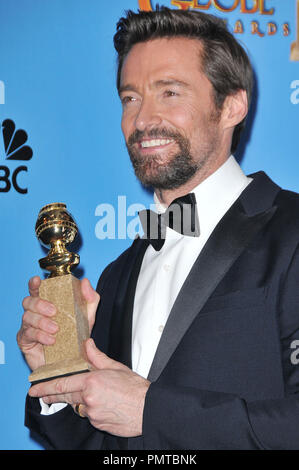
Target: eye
[
  {"x": 170, "y": 93},
  {"x": 127, "y": 99}
]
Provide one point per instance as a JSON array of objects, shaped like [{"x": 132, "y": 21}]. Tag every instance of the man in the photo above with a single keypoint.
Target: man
[{"x": 193, "y": 335}]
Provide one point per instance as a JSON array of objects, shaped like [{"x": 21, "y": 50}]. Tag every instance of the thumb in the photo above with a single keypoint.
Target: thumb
[
  {"x": 98, "y": 359},
  {"x": 34, "y": 284},
  {"x": 92, "y": 298}
]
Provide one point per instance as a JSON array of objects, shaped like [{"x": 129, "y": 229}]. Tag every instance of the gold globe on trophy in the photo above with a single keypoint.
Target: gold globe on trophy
[{"x": 55, "y": 228}]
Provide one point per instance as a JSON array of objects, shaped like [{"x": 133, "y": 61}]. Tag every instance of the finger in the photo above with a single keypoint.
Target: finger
[
  {"x": 38, "y": 305},
  {"x": 92, "y": 298},
  {"x": 33, "y": 335},
  {"x": 70, "y": 398},
  {"x": 80, "y": 410},
  {"x": 34, "y": 284},
  {"x": 39, "y": 322},
  {"x": 88, "y": 292},
  {"x": 61, "y": 386},
  {"x": 98, "y": 359}
]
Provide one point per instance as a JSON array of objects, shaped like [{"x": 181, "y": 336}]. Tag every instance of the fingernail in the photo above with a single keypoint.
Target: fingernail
[
  {"x": 50, "y": 340},
  {"x": 53, "y": 327},
  {"x": 51, "y": 309}
]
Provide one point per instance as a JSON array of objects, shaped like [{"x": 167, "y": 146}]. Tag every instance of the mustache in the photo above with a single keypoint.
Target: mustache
[{"x": 155, "y": 133}]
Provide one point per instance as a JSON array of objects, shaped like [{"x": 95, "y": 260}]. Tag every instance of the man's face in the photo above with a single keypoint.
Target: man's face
[{"x": 169, "y": 120}]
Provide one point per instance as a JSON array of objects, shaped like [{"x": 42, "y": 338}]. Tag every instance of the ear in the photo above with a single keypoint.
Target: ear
[{"x": 235, "y": 109}]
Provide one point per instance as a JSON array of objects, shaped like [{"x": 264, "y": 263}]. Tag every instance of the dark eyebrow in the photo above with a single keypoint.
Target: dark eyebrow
[
  {"x": 157, "y": 84},
  {"x": 127, "y": 88},
  {"x": 169, "y": 82}
]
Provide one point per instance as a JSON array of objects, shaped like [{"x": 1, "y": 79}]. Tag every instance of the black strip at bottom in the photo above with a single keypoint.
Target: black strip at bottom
[{"x": 59, "y": 376}]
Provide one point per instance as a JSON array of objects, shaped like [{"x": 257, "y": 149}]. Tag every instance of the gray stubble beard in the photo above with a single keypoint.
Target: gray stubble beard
[{"x": 177, "y": 171}]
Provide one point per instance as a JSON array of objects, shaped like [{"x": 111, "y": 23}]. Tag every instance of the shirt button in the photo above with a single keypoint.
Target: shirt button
[
  {"x": 166, "y": 267},
  {"x": 161, "y": 328}
]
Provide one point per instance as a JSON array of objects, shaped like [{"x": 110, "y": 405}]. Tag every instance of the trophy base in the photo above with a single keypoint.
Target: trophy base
[
  {"x": 66, "y": 355},
  {"x": 59, "y": 369}
]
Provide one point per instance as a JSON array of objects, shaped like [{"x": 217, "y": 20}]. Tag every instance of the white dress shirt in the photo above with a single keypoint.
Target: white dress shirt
[{"x": 163, "y": 272}]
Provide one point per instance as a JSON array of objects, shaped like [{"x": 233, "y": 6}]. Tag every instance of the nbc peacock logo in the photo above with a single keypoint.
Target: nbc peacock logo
[{"x": 13, "y": 149}]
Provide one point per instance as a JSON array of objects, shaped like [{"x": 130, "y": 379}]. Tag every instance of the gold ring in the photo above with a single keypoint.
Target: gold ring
[{"x": 77, "y": 410}]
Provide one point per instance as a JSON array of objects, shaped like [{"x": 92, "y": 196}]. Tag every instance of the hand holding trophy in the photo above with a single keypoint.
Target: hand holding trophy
[{"x": 56, "y": 228}]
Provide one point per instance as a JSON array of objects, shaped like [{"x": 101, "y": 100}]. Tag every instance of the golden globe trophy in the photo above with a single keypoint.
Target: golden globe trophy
[{"x": 55, "y": 227}]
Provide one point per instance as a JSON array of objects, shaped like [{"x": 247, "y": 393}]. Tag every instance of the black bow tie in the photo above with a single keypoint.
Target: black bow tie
[{"x": 181, "y": 216}]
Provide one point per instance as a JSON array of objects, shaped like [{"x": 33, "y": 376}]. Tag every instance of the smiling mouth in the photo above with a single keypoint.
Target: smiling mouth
[{"x": 154, "y": 143}]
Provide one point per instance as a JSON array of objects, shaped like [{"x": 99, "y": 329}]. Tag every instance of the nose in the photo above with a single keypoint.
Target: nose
[{"x": 148, "y": 115}]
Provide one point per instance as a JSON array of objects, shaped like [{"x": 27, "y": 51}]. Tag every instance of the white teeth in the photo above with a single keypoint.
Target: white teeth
[{"x": 155, "y": 142}]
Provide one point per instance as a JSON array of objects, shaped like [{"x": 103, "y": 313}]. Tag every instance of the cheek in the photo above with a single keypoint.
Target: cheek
[
  {"x": 183, "y": 118},
  {"x": 128, "y": 120},
  {"x": 123, "y": 126},
  {"x": 126, "y": 127}
]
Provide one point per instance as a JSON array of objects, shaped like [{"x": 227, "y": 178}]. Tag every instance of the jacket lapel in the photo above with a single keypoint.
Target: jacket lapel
[
  {"x": 113, "y": 287},
  {"x": 120, "y": 333},
  {"x": 117, "y": 316},
  {"x": 231, "y": 236}
]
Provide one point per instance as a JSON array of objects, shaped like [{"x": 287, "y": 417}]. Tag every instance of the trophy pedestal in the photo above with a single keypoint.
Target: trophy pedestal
[{"x": 65, "y": 356}]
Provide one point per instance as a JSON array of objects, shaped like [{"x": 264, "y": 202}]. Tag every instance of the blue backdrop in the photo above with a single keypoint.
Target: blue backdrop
[{"x": 61, "y": 141}]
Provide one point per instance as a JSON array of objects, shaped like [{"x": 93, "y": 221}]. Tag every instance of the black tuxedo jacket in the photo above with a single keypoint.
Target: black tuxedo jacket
[{"x": 225, "y": 374}]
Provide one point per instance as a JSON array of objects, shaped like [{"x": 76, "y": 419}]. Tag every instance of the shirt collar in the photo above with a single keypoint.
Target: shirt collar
[{"x": 216, "y": 193}]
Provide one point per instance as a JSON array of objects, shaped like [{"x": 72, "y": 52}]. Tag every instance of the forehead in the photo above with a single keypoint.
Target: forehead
[{"x": 177, "y": 58}]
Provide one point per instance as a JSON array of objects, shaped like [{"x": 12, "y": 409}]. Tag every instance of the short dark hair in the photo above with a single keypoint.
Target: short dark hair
[{"x": 224, "y": 61}]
